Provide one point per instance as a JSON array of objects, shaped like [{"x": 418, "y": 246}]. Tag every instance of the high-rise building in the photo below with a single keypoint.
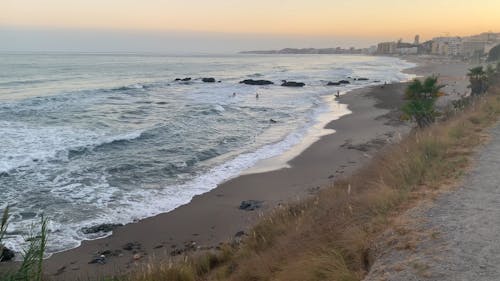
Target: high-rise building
[
  {"x": 417, "y": 40},
  {"x": 478, "y": 45},
  {"x": 386, "y": 48},
  {"x": 446, "y": 46}
]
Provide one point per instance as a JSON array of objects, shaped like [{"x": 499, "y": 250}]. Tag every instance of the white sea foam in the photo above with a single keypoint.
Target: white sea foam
[
  {"x": 75, "y": 185},
  {"x": 23, "y": 145}
]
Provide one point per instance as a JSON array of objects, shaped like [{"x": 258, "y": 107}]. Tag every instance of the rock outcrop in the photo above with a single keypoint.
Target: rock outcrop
[
  {"x": 105, "y": 227},
  {"x": 256, "y": 82},
  {"x": 6, "y": 254},
  {"x": 183, "y": 79},
  {"x": 250, "y": 205},
  {"x": 292, "y": 84},
  {"x": 208, "y": 80},
  {"x": 333, "y": 84}
]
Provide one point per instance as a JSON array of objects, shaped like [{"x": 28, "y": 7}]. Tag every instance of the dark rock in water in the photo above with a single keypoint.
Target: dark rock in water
[
  {"x": 256, "y": 82},
  {"x": 6, "y": 254},
  {"x": 292, "y": 84},
  {"x": 363, "y": 79},
  {"x": 186, "y": 79},
  {"x": 177, "y": 79},
  {"x": 333, "y": 84},
  {"x": 273, "y": 121},
  {"x": 105, "y": 227},
  {"x": 208, "y": 80},
  {"x": 344, "y": 82},
  {"x": 250, "y": 205}
]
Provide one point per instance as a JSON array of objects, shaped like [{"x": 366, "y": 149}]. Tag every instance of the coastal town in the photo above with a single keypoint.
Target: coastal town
[
  {"x": 468, "y": 47},
  {"x": 474, "y": 48}
]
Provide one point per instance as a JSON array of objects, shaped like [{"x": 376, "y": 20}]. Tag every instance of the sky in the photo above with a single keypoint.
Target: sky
[{"x": 232, "y": 25}]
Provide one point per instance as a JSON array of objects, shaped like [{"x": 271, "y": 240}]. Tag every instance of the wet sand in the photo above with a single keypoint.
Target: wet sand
[{"x": 215, "y": 216}]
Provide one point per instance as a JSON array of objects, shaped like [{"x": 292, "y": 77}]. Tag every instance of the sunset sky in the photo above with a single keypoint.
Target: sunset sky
[{"x": 263, "y": 22}]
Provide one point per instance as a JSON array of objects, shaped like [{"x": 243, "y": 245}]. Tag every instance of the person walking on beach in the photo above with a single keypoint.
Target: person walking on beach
[
  {"x": 338, "y": 94},
  {"x": 257, "y": 95}
]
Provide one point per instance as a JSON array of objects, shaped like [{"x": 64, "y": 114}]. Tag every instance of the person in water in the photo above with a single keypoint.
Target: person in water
[
  {"x": 338, "y": 94},
  {"x": 234, "y": 94},
  {"x": 257, "y": 95}
]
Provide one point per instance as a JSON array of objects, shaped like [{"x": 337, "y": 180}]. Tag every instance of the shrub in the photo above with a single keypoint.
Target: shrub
[{"x": 421, "y": 98}]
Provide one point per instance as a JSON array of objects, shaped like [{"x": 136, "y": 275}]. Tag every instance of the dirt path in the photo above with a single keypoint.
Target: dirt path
[{"x": 457, "y": 237}]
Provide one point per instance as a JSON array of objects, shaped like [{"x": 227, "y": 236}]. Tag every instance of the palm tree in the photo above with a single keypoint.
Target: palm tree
[
  {"x": 476, "y": 72},
  {"x": 421, "y": 98},
  {"x": 477, "y": 78}
]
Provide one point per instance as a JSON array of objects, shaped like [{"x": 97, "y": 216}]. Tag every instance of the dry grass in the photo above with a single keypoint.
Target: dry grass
[{"x": 329, "y": 237}]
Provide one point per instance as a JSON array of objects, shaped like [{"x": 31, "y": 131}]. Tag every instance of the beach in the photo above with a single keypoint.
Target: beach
[{"x": 216, "y": 216}]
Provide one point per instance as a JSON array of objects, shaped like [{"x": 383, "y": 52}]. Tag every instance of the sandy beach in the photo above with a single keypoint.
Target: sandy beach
[
  {"x": 215, "y": 217},
  {"x": 243, "y": 140}
]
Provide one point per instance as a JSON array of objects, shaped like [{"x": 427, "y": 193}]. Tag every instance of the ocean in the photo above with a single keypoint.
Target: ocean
[{"x": 87, "y": 139}]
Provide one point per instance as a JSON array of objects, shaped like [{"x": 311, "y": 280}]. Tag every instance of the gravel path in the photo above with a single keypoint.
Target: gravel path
[{"x": 456, "y": 237}]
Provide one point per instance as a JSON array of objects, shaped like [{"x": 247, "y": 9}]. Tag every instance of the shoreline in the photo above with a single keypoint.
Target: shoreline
[
  {"x": 204, "y": 220},
  {"x": 313, "y": 133},
  {"x": 214, "y": 216}
]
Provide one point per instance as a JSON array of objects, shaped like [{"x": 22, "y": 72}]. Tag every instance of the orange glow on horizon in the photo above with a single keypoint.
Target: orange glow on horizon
[{"x": 358, "y": 18}]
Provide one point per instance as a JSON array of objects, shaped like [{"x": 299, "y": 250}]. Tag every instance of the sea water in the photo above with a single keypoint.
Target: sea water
[{"x": 87, "y": 139}]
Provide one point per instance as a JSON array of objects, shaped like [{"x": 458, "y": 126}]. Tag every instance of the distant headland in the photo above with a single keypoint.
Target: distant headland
[{"x": 299, "y": 51}]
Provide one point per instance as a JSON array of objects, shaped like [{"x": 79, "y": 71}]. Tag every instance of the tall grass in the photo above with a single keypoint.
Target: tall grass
[{"x": 30, "y": 269}]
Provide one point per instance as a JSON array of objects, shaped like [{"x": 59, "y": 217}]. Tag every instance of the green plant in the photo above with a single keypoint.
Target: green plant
[
  {"x": 478, "y": 80},
  {"x": 421, "y": 98},
  {"x": 30, "y": 268},
  {"x": 3, "y": 228}
]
